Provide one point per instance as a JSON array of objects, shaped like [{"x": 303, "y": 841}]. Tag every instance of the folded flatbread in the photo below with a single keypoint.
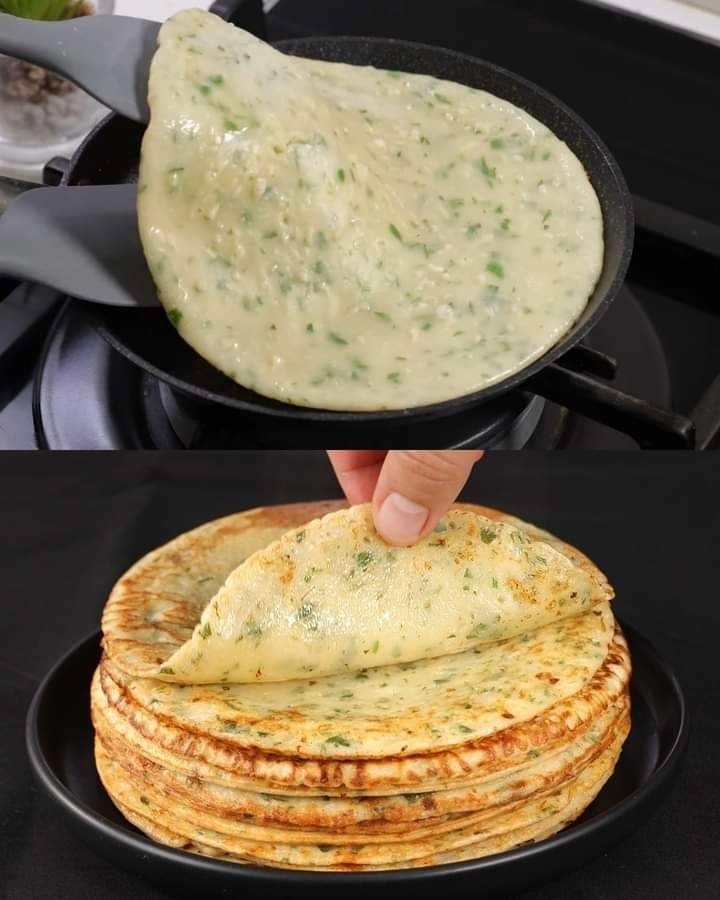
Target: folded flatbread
[{"x": 332, "y": 597}]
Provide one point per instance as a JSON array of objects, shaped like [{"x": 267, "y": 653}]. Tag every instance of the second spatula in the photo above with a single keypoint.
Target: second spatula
[{"x": 82, "y": 241}]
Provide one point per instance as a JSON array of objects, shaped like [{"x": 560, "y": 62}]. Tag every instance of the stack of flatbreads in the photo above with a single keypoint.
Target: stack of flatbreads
[{"x": 282, "y": 688}]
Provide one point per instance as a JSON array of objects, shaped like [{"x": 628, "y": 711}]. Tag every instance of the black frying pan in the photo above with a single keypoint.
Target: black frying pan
[{"x": 110, "y": 155}]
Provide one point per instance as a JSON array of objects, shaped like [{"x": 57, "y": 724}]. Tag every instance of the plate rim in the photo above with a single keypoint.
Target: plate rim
[{"x": 76, "y": 808}]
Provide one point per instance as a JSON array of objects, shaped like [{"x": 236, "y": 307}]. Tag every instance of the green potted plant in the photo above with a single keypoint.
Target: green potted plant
[
  {"x": 41, "y": 114},
  {"x": 47, "y": 10}
]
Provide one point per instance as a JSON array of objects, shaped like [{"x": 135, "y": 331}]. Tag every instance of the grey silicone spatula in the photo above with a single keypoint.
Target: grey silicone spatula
[
  {"x": 82, "y": 241},
  {"x": 107, "y": 56}
]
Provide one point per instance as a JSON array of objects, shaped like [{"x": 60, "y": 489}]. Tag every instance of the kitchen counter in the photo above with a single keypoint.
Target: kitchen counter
[{"x": 73, "y": 522}]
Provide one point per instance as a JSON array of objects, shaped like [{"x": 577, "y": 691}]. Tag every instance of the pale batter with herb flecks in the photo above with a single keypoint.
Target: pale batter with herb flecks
[{"x": 352, "y": 238}]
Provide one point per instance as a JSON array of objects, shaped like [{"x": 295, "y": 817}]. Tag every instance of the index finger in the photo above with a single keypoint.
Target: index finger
[{"x": 357, "y": 471}]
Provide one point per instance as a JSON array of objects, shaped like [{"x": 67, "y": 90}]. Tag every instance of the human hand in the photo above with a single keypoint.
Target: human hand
[{"x": 411, "y": 490}]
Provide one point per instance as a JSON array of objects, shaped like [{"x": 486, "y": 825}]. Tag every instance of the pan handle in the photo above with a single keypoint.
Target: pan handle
[{"x": 651, "y": 426}]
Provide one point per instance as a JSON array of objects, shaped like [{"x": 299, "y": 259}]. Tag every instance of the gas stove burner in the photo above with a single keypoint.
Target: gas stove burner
[
  {"x": 87, "y": 396},
  {"x": 506, "y": 424}
]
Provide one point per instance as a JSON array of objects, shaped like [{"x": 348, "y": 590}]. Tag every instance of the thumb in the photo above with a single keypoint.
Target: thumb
[{"x": 415, "y": 490}]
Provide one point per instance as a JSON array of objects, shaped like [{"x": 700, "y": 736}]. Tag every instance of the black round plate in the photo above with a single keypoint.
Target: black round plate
[{"x": 60, "y": 744}]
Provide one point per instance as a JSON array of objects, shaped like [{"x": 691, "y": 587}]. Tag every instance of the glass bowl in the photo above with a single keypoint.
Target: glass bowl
[{"x": 41, "y": 114}]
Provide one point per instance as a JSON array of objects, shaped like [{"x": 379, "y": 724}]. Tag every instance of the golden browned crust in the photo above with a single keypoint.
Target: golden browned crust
[
  {"x": 496, "y": 753},
  {"x": 560, "y": 804},
  {"x": 366, "y": 815},
  {"x": 154, "y": 606}
]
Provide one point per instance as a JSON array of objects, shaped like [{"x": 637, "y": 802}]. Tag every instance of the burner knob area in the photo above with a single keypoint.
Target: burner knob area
[{"x": 55, "y": 170}]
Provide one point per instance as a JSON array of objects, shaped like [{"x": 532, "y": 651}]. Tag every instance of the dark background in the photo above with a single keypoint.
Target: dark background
[
  {"x": 652, "y": 93},
  {"x": 72, "y": 523}
]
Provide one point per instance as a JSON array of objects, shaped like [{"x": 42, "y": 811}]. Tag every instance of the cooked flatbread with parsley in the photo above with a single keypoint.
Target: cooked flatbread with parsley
[
  {"x": 333, "y": 597},
  {"x": 404, "y": 764}
]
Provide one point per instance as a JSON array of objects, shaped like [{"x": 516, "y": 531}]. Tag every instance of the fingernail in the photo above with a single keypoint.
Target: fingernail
[{"x": 399, "y": 520}]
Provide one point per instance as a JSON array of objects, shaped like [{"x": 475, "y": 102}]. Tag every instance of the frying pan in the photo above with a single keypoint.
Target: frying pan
[{"x": 110, "y": 154}]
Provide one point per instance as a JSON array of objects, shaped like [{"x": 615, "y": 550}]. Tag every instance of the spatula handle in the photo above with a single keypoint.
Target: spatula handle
[
  {"x": 53, "y": 45},
  {"x": 107, "y": 56}
]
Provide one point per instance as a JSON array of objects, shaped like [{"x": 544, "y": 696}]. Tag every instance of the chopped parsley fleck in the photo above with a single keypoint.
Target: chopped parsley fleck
[
  {"x": 175, "y": 315},
  {"x": 375, "y": 646},
  {"x": 252, "y": 629},
  {"x": 475, "y": 632},
  {"x": 231, "y": 125},
  {"x": 299, "y": 536},
  {"x": 205, "y": 631},
  {"x": 216, "y": 79},
  {"x": 495, "y": 267},
  {"x": 497, "y": 143},
  {"x": 364, "y": 558},
  {"x": 472, "y": 230},
  {"x": 338, "y": 740},
  {"x": 166, "y": 670},
  {"x": 341, "y": 174},
  {"x": 394, "y": 231},
  {"x": 488, "y": 171},
  {"x": 487, "y": 535},
  {"x": 310, "y": 328},
  {"x": 336, "y": 338},
  {"x": 394, "y": 377},
  {"x": 307, "y": 613},
  {"x": 228, "y": 725},
  {"x": 464, "y": 729}
]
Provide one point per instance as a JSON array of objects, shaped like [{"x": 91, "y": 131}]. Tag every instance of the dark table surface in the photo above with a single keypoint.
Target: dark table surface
[{"x": 73, "y": 522}]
